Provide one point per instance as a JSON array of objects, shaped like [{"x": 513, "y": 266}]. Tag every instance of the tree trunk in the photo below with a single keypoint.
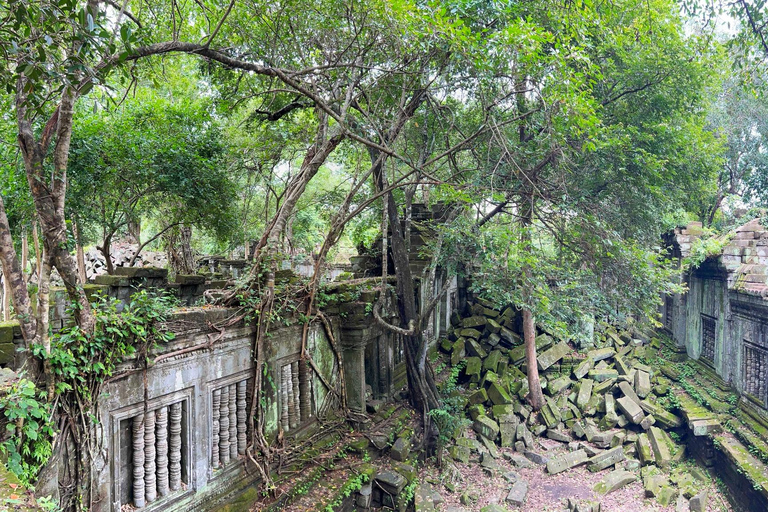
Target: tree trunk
[
  {"x": 6, "y": 306},
  {"x": 25, "y": 250},
  {"x": 14, "y": 277},
  {"x": 79, "y": 252},
  {"x": 106, "y": 251},
  {"x": 529, "y": 324}
]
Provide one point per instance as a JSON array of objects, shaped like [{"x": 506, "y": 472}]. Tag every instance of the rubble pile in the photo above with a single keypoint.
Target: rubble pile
[
  {"x": 122, "y": 253},
  {"x": 606, "y": 405}
]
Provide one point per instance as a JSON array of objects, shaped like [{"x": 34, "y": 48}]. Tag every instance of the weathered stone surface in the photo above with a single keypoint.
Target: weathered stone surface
[
  {"x": 553, "y": 355},
  {"x": 519, "y": 460},
  {"x": 659, "y": 446},
  {"x": 699, "y": 502},
  {"x": 629, "y": 392},
  {"x": 485, "y": 426},
  {"x": 556, "y": 435},
  {"x": 557, "y": 385},
  {"x": 535, "y": 457},
  {"x": 458, "y": 352},
  {"x": 492, "y": 361},
  {"x": 615, "y": 480},
  {"x": 602, "y": 439},
  {"x": 647, "y": 422},
  {"x": 474, "y": 321},
  {"x": 474, "y": 349},
  {"x": 631, "y": 409},
  {"x": 525, "y": 435},
  {"x": 508, "y": 431},
  {"x": 667, "y": 495},
  {"x": 621, "y": 366},
  {"x": 642, "y": 384},
  {"x": 550, "y": 413},
  {"x": 391, "y": 482},
  {"x": 663, "y": 417},
  {"x": 473, "y": 367},
  {"x": 606, "y": 459},
  {"x": 459, "y": 453},
  {"x": 478, "y": 397},
  {"x": 566, "y": 461},
  {"x": 644, "y": 450},
  {"x": 585, "y": 393},
  {"x": 423, "y": 500},
  {"x": 705, "y": 427},
  {"x": 603, "y": 374},
  {"x": 401, "y": 449},
  {"x": 518, "y": 493},
  {"x": 581, "y": 370},
  {"x": 498, "y": 395},
  {"x": 600, "y": 354}
]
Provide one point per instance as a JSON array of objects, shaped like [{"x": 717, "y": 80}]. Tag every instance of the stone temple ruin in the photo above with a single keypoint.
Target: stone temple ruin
[{"x": 628, "y": 406}]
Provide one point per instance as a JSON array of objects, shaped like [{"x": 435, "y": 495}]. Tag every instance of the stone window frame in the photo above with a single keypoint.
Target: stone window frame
[
  {"x": 186, "y": 397},
  {"x": 750, "y": 345},
  {"x": 702, "y": 356},
  {"x": 280, "y": 363},
  {"x": 210, "y": 387}
]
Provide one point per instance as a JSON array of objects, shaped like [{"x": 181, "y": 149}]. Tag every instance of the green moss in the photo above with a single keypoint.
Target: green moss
[{"x": 7, "y": 329}]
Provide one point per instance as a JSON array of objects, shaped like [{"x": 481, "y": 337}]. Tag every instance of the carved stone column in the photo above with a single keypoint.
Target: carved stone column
[
  {"x": 174, "y": 446},
  {"x": 161, "y": 443},
  {"x": 233, "y": 422},
  {"x": 242, "y": 441},
  {"x": 285, "y": 376},
  {"x": 215, "y": 429},
  {"x": 150, "y": 481},
  {"x": 138, "y": 461},
  {"x": 224, "y": 427},
  {"x": 305, "y": 392}
]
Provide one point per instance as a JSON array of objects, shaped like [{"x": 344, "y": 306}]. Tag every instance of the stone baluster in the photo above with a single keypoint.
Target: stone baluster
[
  {"x": 233, "y": 421},
  {"x": 161, "y": 429},
  {"x": 224, "y": 426},
  {"x": 242, "y": 441},
  {"x": 150, "y": 479},
  {"x": 215, "y": 430},
  {"x": 284, "y": 380},
  {"x": 292, "y": 420},
  {"x": 305, "y": 393},
  {"x": 138, "y": 461},
  {"x": 296, "y": 392},
  {"x": 174, "y": 448}
]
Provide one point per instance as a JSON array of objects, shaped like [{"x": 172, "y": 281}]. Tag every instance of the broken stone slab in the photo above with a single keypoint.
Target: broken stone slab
[
  {"x": 653, "y": 484},
  {"x": 518, "y": 493},
  {"x": 490, "y": 466},
  {"x": 629, "y": 392},
  {"x": 458, "y": 352},
  {"x": 553, "y": 355},
  {"x": 600, "y": 354},
  {"x": 474, "y": 321},
  {"x": 705, "y": 427},
  {"x": 660, "y": 447},
  {"x": 478, "y": 397},
  {"x": 485, "y": 426},
  {"x": 492, "y": 361},
  {"x": 557, "y": 385},
  {"x": 642, "y": 384},
  {"x": 647, "y": 422},
  {"x": 499, "y": 395},
  {"x": 490, "y": 446},
  {"x": 603, "y": 375},
  {"x": 474, "y": 349},
  {"x": 401, "y": 449},
  {"x": 494, "y": 327},
  {"x": 601, "y": 387},
  {"x": 581, "y": 370},
  {"x": 459, "y": 453},
  {"x": 556, "y": 435},
  {"x": 500, "y": 411},
  {"x": 550, "y": 413},
  {"x": 566, "y": 461},
  {"x": 470, "y": 334},
  {"x": 524, "y": 435},
  {"x": 644, "y": 450},
  {"x": 615, "y": 480},
  {"x": 391, "y": 482},
  {"x": 663, "y": 417},
  {"x": 518, "y": 459},
  {"x": 606, "y": 459},
  {"x": 621, "y": 366},
  {"x": 585, "y": 393},
  {"x": 631, "y": 409},
  {"x": 473, "y": 367},
  {"x": 667, "y": 495},
  {"x": 578, "y": 430},
  {"x": 535, "y": 457},
  {"x": 699, "y": 502},
  {"x": 493, "y": 339}
]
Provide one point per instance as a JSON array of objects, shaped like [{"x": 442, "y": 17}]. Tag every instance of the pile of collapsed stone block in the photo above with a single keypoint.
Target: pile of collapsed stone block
[{"x": 604, "y": 404}]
